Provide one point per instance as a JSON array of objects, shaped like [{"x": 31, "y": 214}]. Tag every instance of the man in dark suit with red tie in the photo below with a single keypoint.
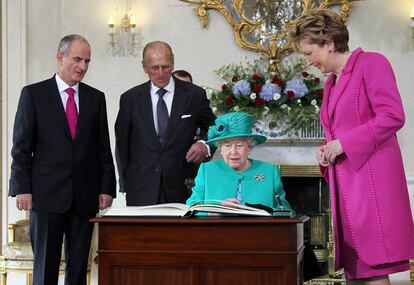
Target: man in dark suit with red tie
[
  {"x": 155, "y": 130},
  {"x": 62, "y": 167}
]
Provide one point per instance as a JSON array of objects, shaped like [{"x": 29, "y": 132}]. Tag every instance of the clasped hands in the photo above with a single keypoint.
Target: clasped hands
[{"x": 326, "y": 154}]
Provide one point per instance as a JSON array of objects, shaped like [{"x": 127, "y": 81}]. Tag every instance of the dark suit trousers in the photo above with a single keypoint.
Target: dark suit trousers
[{"x": 47, "y": 232}]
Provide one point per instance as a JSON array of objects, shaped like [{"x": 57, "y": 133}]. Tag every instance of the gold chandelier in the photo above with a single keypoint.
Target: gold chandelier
[{"x": 260, "y": 25}]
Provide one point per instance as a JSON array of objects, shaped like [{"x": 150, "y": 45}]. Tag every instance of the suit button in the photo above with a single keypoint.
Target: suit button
[{"x": 157, "y": 170}]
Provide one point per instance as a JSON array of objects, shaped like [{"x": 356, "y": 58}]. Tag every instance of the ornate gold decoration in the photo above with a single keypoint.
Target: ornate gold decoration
[
  {"x": 260, "y": 25},
  {"x": 287, "y": 170}
]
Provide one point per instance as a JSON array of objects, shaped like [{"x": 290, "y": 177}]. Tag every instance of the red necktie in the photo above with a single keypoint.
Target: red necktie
[{"x": 71, "y": 112}]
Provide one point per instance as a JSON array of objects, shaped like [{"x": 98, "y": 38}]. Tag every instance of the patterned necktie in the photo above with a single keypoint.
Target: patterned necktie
[
  {"x": 162, "y": 115},
  {"x": 71, "y": 112}
]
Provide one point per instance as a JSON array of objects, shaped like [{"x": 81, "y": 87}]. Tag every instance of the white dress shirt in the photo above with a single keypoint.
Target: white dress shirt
[
  {"x": 168, "y": 98},
  {"x": 62, "y": 86}
]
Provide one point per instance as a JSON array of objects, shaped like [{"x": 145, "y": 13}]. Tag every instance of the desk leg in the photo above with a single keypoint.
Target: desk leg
[
  {"x": 29, "y": 278},
  {"x": 4, "y": 278}
]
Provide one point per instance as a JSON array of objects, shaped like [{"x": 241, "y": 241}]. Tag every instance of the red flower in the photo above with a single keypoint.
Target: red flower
[
  {"x": 275, "y": 79},
  {"x": 234, "y": 78},
  {"x": 260, "y": 102},
  {"x": 224, "y": 87},
  {"x": 317, "y": 80},
  {"x": 305, "y": 74},
  {"x": 257, "y": 87},
  {"x": 291, "y": 94},
  {"x": 319, "y": 95},
  {"x": 280, "y": 82},
  {"x": 229, "y": 100},
  {"x": 256, "y": 77}
]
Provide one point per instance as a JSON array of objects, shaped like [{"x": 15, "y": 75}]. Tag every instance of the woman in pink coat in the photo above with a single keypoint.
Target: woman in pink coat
[{"x": 361, "y": 113}]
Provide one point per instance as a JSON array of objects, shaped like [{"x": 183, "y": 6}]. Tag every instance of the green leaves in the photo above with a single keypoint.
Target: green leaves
[{"x": 284, "y": 108}]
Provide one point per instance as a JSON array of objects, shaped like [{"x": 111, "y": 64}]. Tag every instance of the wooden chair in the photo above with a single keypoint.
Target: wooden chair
[{"x": 18, "y": 255}]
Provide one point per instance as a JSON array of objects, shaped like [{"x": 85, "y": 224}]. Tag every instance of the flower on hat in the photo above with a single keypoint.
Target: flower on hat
[
  {"x": 218, "y": 130},
  {"x": 230, "y": 125}
]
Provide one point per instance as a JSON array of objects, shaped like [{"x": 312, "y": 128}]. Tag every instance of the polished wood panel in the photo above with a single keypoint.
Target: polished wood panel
[{"x": 210, "y": 250}]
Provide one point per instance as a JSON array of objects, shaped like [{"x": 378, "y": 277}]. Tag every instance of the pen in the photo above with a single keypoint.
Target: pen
[{"x": 279, "y": 201}]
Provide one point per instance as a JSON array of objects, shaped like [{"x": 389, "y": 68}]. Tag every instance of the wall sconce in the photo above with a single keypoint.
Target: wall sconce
[{"x": 123, "y": 34}]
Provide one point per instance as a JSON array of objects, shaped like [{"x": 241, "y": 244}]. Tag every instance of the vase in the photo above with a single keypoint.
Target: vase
[{"x": 278, "y": 130}]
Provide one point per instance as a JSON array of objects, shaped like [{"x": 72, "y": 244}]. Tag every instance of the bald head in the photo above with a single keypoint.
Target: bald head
[
  {"x": 157, "y": 45},
  {"x": 158, "y": 63}
]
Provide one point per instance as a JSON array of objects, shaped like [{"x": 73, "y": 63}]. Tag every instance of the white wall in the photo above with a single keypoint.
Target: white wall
[{"x": 32, "y": 29}]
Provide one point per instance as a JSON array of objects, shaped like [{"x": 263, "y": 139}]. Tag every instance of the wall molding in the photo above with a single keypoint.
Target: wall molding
[{"x": 14, "y": 76}]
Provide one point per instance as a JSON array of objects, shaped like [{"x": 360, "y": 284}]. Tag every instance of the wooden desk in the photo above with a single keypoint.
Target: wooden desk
[{"x": 193, "y": 251}]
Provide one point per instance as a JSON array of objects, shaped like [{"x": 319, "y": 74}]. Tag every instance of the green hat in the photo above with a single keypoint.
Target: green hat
[{"x": 231, "y": 125}]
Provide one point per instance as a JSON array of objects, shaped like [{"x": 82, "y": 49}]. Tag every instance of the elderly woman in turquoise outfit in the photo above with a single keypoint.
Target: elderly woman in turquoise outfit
[{"x": 235, "y": 177}]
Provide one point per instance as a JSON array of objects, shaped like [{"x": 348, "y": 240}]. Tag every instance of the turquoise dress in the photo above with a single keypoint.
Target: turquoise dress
[{"x": 259, "y": 183}]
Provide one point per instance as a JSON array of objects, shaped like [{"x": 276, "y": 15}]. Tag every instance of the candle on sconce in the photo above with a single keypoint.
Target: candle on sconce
[
  {"x": 412, "y": 17},
  {"x": 133, "y": 24},
  {"x": 111, "y": 24}
]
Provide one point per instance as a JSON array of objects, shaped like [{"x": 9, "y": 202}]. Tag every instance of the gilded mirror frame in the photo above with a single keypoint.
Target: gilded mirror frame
[{"x": 277, "y": 46}]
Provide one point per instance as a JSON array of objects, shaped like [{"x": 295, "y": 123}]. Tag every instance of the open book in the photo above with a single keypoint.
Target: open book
[{"x": 182, "y": 210}]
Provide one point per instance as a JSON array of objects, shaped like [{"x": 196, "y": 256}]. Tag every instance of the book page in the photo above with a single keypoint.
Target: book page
[
  {"x": 181, "y": 210},
  {"x": 168, "y": 209},
  {"x": 229, "y": 208},
  {"x": 224, "y": 203}
]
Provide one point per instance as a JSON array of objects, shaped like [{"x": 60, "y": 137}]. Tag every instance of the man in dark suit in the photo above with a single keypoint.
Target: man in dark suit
[
  {"x": 62, "y": 167},
  {"x": 155, "y": 128},
  {"x": 190, "y": 172}
]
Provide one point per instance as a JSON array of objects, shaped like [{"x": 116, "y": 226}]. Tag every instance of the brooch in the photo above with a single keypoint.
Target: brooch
[{"x": 259, "y": 177}]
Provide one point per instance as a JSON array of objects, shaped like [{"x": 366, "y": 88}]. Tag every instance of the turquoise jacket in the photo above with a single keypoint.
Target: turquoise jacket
[{"x": 260, "y": 183}]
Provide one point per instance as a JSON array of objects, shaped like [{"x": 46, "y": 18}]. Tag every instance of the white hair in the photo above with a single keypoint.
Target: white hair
[{"x": 66, "y": 41}]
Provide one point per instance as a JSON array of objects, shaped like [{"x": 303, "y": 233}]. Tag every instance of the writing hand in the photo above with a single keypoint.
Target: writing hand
[{"x": 231, "y": 201}]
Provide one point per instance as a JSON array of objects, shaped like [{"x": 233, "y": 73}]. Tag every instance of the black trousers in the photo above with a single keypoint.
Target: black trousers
[{"x": 47, "y": 232}]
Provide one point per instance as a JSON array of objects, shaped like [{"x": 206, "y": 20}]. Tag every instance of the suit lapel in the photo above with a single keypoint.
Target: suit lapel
[
  {"x": 85, "y": 101},
  {"x": 57, "y": 106},
  {"x": 337, "y": 92},
  {"x": 178, "y": 104},
  {"x": 325, "y": 103},
  {"x": 145, "y": 105}
]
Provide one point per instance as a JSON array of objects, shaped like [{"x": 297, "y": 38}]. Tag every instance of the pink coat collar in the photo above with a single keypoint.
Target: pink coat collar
[{"x": 327, "y": 112}]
